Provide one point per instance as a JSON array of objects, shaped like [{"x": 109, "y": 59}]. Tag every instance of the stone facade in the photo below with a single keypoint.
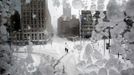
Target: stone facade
[
  {"x": 33, "y": 23},
  {"x": 68, "y": 27},
  {"x": 86, "y": 24}
]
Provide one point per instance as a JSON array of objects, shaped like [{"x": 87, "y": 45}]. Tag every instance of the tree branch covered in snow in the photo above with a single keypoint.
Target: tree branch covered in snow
[{"x": 6, "y": 52}]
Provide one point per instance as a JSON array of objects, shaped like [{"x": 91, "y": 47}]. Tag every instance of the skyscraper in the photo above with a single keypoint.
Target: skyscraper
[
  {"x": 86, "y": 24},
  {"x": 66, "y": 9},
  {"x": 68, "y": 25},
  {"x": 68, "y": 28},
  {"x": 34, "y": 20}
]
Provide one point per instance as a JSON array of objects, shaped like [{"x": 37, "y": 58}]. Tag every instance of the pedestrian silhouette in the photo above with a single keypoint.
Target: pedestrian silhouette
[{"x": 66, "y": 49}]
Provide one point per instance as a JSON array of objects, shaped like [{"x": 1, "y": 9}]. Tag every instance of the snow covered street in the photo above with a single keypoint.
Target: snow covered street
[{"x": 90, "y": 58}]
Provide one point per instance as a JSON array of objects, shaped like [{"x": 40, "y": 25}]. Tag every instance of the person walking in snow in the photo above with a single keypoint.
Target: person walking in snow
[{"x": 66, "y": 48}]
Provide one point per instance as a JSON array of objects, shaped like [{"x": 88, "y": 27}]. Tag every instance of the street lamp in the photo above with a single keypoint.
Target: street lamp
[{"x": 104, "y": 38}]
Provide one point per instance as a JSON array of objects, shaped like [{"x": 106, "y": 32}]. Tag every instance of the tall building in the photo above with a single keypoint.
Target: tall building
[
  {"x": 66, "y": 9},
  {"x": 86, "y": 24},
  {"x": 68, "y": 27},
  {"x": 34, "y": 21}
]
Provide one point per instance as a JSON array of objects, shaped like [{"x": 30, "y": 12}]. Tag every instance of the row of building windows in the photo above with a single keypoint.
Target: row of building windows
[
  {"x": 37, "y": 4},
  {"x": 34, "y": 26},
  {"x": 34, "y": 4},
  {"x": 38, "y": 10},
  {"x": 32, "y": 36},
  {"x": 33, "y": 30},
  {"x": 36, "y": 19},
  {"x": 32, "y": 11},
  {"x": 33, "y": 22}
]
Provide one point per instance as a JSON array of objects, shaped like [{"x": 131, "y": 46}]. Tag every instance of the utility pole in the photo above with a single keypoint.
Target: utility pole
[
  {"x": 109, "y": 37},
  {"x": 80, "y": 26}
]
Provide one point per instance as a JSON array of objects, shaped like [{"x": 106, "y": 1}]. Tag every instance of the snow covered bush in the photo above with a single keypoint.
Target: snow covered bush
[{"x": 6, "y": 52}]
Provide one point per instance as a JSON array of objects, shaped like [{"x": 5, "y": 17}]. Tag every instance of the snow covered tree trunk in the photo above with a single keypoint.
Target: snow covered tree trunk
[{"x": 5, "y": 51}]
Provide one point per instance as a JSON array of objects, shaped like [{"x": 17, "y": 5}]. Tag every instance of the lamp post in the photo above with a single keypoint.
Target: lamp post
[
  {"x": 104, "y": 38},
  {"x": 80, "y": 27}
]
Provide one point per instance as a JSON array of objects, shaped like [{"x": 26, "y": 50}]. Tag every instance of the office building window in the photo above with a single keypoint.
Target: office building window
[
  {"x": 40, "y": 36},
  {"x": 25, "y": 36},
  {"x": 32, "y": 36},
  {"x": 35, "y": 36}
]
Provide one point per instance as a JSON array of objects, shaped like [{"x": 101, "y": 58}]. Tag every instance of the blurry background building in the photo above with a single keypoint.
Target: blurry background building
[
  {"x": 86, "y": 24},
  {"x": 68, "y": 25},
  {"x": 66, "y": 9},
  {"x": 35, "y": 23}
]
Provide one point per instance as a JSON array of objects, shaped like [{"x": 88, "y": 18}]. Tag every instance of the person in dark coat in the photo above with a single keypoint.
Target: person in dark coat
[{"x": 66, "y": 49}]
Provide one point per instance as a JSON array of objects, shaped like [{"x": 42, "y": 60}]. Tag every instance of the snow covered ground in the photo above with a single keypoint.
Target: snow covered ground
[{"x": 91, "y": 55}]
